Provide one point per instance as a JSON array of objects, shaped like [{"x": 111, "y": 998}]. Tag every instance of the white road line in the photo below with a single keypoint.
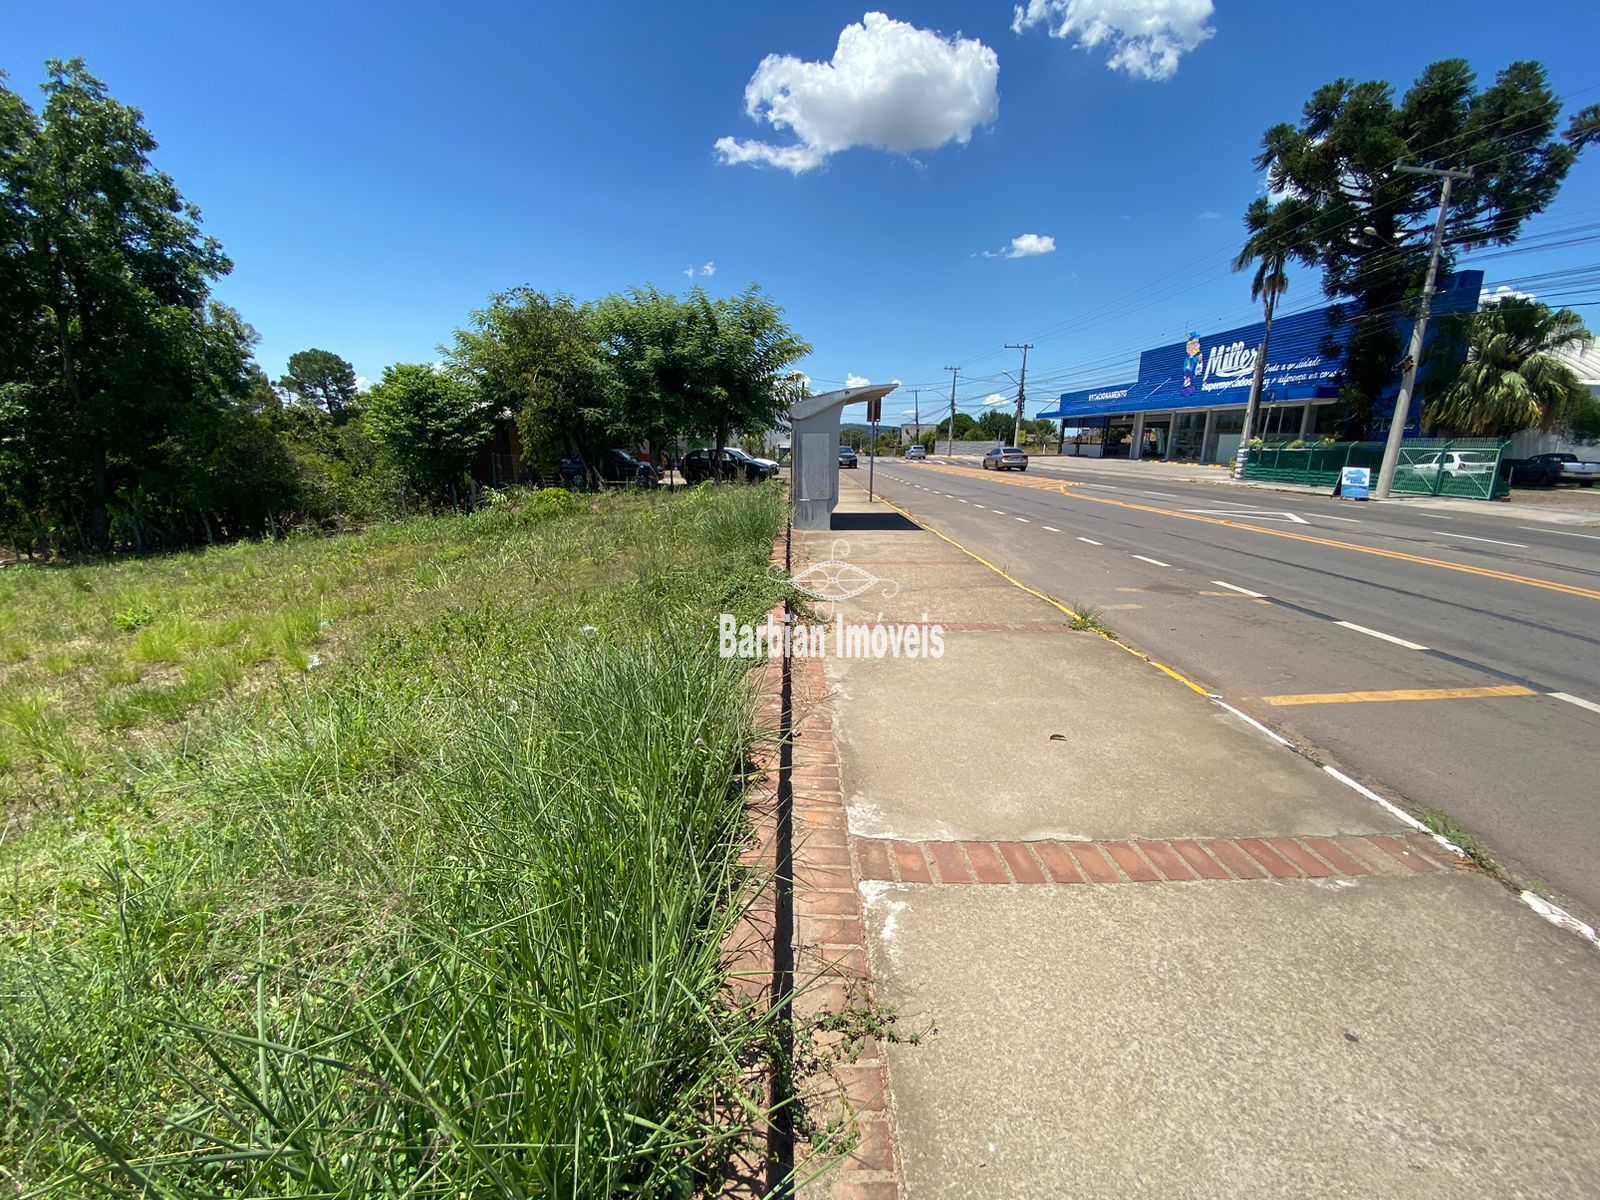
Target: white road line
[
  {"x": 1331, "y": 517},
  {"x": 1233, "y": 587},
  {"x": 995, "y": 511},
  {"x": 1467, "y": 537},
  {"x": 1393, "y": 810},
  {"x": 961, "y": 501},
  {"x": 977, "y": 506},
  {"x": 1091, "y": 541},
  {"x": 1024, "y": 520},
  {"x": 1154, "y": 562},
  {"x": 1051, "y": 528},
  {"x": 1564, "y": 533},
  {"x": 1388, "y": 637},
  {"x": 1578, "y": 700},
  {"x": 1248, "y": 719},
  {"x": 1163, "y": 495}
]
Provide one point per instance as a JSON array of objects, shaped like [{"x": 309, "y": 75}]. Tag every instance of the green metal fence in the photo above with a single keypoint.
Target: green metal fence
[{"x": 1466, "y": 467}]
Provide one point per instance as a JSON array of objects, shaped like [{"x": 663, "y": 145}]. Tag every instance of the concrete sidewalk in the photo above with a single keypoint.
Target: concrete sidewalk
[{"x": 1161, "y": 953}]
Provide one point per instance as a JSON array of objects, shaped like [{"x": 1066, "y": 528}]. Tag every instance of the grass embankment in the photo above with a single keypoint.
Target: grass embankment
[{"x": 441, "y": 917}]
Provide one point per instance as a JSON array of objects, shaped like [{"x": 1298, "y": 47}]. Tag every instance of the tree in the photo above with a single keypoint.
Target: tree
[
  {"x": 1277, "y": 233},
  {"x": 433, "y": 422},
  {"x": 700, "y": 367},
  {"x": 323, "y": 380},
  {"x": 995, "y": 425},
  {"x": 106, "y": 275},
  {"x": 541, "y": 358},
  {"x": 1514, "y": 377},
  {"x": 1339, "y": 161}
]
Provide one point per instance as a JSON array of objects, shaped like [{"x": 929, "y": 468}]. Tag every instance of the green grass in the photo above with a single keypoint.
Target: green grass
[{"x": 441, "y": 917}]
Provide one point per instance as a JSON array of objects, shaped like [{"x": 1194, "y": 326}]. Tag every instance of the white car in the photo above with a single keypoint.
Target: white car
[{"x": 1451, "y": 462}]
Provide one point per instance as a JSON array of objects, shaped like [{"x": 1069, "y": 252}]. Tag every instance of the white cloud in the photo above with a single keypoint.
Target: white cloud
[
  {"x": 1210, "y": 214},
  {"x": 889, "y": 85},
  {"x": 1147, "y": 38},
  {"x": 995, "y": 400},
  {"x": 851, "y": 381},
  {"x": 1503, "y": 292},
  {"x": 1025, "y": 245},
  {"x": 363, "y": 384},
  {"x": 708, "y": 270}
]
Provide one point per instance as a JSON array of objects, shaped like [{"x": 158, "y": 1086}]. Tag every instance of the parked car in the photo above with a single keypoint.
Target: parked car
[
  {"x": 847, "y": 459},
  {"x": 1573, "y": 469},
  {"x": 618, "y": 466},
  {"x": 698, "y": 466},
  {"x": 755, "y": 469},
  {"x": 1005, "y": 458},
  {"x": 1453, "y": 463},
  {"x": 916, "y": 452},
  {"x": 572, "y": 470},
  {"x": 1531, "y": 472}
]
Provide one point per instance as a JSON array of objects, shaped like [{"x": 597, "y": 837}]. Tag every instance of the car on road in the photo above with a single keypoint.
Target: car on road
[
  {"x": 847, "y": 459},
  {"x": 1453, "y": 463},
  {"x": 913, "y": 453},
  {"x": 1005, "y": 458},
  {"x": 1573, "y": 469}
]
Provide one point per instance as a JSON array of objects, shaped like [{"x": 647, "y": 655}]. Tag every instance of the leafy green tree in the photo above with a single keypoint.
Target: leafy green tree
[
  {"x": 433, "y": 422},
  {"x": 1584, "y": 128},
  {"x": 106, "y": 275},
  {"x": 996, "y": 424},
  {"x": 1339, "y": 164},
  {"x": 323, "y": 380},
  {"x": 703, "y": 368},
  {"x": 1514, "y": 377},
  {"x": 541, "y": 358}
]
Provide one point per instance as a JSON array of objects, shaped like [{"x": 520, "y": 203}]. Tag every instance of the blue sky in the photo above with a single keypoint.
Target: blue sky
[{"x": 376, "y": 171}]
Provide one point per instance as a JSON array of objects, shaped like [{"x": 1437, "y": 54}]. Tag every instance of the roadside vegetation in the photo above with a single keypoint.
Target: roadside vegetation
[{"x": 394, "y": 864}]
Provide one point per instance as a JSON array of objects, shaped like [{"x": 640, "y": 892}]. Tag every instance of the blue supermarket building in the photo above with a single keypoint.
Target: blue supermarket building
[{"x": 1188, "y": 403}]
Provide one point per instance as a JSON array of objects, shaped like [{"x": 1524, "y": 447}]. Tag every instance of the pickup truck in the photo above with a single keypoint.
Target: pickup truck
[{"x": 1547, "y": 470}]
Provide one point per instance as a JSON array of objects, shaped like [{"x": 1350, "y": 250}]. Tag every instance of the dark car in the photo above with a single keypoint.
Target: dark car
[
  {"x": 847, "y": 459},
  {"x": 1005, "y": 458},
  {"x": 755, "y": 469},
  {"x": 573, "y": 471},
  {"x": 698, "y": 467},
  {"x": 620, "y": 467},
  {"x": 1538, "y": 471}
]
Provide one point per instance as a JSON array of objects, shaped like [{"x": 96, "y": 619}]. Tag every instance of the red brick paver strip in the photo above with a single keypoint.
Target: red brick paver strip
[
  {"x": 913, "y": 867},
  {"x": 1196, "y": 857},
  {"x": 986, "y": 862},
  {"x": 1134, "y": 867},
  {"x": 1023, "y": 867},
  {"x": 952, "y": 866},
  {"x": 1094, "y": 864},
  {"x": 1147, "y": 860}
]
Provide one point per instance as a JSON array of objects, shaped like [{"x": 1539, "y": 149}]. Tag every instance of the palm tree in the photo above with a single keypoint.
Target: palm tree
[
  {"x": 1513, "y": 377},
  {"x": 1278, "y": 232}
]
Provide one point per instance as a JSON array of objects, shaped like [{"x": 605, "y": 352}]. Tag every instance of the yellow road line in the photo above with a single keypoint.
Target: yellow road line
[
  {"x": 1050, "y": 600},
  {"x": 1565, "y": 589},
  {"x": 1461, "y": 693}
]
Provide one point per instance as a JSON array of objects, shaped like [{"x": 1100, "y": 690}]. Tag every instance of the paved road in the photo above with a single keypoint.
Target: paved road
[{"x": 1451, "y": 660}]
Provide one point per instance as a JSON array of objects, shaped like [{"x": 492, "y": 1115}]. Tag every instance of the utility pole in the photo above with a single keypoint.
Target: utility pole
[
  {"x": 1408, "y": 381},
  {"x": 950, "y": 434},
  {"x": 1022, "y": 390}
]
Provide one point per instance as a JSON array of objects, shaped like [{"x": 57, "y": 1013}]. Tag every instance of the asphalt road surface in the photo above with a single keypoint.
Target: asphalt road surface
[{"x": 1448, "y": 659}]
